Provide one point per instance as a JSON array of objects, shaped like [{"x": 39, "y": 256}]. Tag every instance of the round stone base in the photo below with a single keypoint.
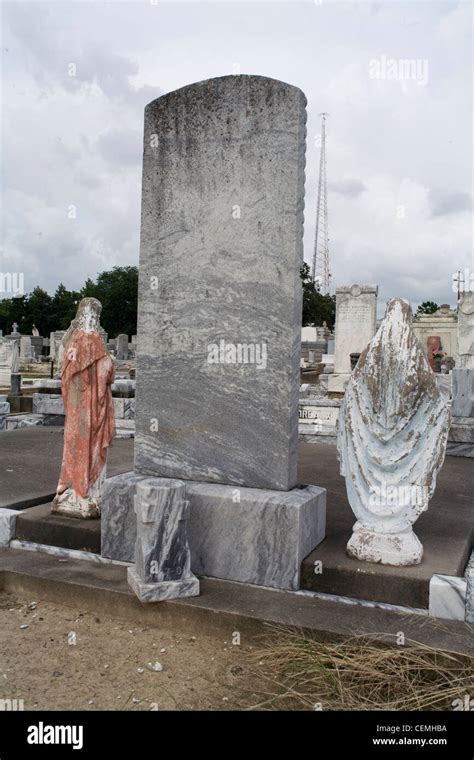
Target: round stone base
[
  {"x": 397, "y": 549},
  {"x": 72, "y": 505}
]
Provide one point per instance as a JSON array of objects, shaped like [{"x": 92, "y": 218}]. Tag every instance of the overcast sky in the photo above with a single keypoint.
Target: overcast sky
[{"x": 399, "y": 150}]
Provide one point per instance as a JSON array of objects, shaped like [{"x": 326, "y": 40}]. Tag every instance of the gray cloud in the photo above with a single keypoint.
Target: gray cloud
[
  {"x": 444, "y": 203},
  {"x": 77, "y": 140},
  {"x": 349, "y": 187}
]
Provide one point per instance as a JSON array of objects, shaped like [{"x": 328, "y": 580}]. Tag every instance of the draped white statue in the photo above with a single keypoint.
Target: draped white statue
[{"x": 392, "y": 431}]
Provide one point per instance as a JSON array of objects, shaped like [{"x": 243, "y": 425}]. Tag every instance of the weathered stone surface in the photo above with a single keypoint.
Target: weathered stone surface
[
  {"x": 393, "y": 428},
  {"x": 466, "y": 330},
  {"x": 45, "y": 403},
  {"x": 461, "y": 433},
  {"x": 9, "y": 359},
  {"x": 162, "y": 568},
  {"x": 124, "y": 408},
  {"x": 463, "y": 392},
  {"x": 442, "y": 325},
  {"x": 7, "y": 525},
  {"x": 122, "y": 346},
  {"x": 448, "y": 597},
  {"x": 356, "y": 318},
  {"x": 243, "y": 534},
  {"x": 470, "y": 590},
  {"x": 26, "y": 349},
  {"x": 87, "y": 373},
  {"x": 218, "y": 349}
]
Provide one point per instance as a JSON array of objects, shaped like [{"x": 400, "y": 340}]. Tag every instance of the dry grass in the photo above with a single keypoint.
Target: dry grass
[{"x": 358, "y": 674}]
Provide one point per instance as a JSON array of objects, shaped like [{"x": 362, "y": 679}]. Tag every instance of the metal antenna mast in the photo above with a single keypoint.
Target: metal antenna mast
[{"x": 320, "y": 270}]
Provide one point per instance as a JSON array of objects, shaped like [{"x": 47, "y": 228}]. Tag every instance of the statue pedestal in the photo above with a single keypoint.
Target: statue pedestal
[{"x": 403, "y": 548}]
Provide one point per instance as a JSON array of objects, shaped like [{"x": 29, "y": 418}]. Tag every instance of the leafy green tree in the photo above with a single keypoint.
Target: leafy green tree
[
  {"x": 117, "y": 290},
  {"x": 13, "y": 310},
  {"x": 427, "y": 307},
  {"x": 37, "y": 312},
  {"x": 63, "y": 308},
  {"x": 317, "y": 307}
]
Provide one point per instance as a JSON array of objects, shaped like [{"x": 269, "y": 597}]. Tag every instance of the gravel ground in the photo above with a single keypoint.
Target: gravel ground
[{"x": 55, "y": 657}]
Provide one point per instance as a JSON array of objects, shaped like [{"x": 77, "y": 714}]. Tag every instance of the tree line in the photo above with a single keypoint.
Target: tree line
[{"x": 117, "y": 290}]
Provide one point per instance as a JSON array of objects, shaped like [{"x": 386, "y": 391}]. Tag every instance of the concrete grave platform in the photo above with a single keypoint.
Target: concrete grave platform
[
  {"x": 30, "y": 461},
  {"x": 38, "y": 525},
  {"x": 29, "y": 467},
  {"x": 222, "y": 607}
]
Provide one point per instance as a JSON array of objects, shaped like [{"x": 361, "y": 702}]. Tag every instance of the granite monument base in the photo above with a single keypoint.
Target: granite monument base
[
  {"x": 159, "y": 592},
  {"x": 248, "y": 535}
]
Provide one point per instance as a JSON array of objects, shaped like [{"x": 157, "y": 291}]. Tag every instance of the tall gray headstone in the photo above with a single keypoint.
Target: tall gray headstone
[
  {"x": 219, "y": 326},
  {"x": 219, "y": 316},
  {"x": 122, "y": 346}
]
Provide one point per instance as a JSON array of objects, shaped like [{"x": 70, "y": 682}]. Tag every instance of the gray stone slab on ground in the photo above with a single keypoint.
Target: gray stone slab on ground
[
  {"x": 30, "y": 461},
  {"x": 218, "y": 349},
  {"x": 245, "y": 534}
]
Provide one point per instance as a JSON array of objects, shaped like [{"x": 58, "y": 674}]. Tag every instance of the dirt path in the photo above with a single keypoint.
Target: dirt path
[{"x": 64, "y": 658}]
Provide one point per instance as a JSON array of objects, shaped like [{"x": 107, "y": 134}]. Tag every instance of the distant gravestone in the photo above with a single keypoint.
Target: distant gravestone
[
  {"x": 218, "y": 356},
  {"x": 356, "y": 322},
  {"x": 55, "y": 339},
  {"x": 26, "y": 348},
  {"x": 356, "y": 314},
  {"x": 36, "y": 345},
  {"x": 122, "y": 346},
  {"x": 9, "y": 358}
]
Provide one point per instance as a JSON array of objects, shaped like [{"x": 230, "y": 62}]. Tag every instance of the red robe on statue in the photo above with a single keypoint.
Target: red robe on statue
[{"x": 87, "y": 374}]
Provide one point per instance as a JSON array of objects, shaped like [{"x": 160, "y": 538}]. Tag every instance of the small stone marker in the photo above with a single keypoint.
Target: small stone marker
[{"x": 162, "y": 567}]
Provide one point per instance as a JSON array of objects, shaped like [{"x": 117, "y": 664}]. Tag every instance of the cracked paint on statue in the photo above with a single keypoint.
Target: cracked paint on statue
[
  {"x": 392, "y": 433},
  {"x": 87, "y": 372}
]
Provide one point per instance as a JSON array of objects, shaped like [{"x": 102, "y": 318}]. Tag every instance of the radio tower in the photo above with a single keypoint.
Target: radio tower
[{"x": 320, "y": 271}]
